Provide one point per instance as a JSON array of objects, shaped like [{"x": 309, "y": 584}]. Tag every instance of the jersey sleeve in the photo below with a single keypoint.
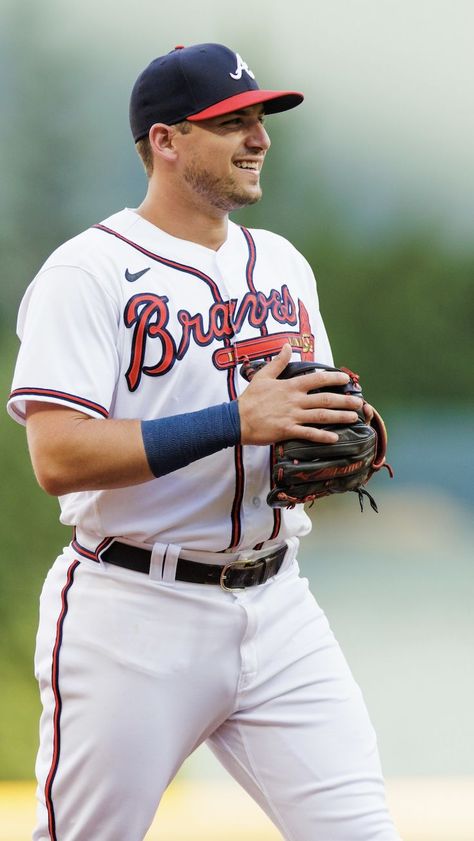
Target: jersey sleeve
[{"x": 68, "y": 325}]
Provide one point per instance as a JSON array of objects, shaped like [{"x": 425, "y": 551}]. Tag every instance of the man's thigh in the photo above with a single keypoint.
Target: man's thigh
[
  {"x": 301, "y": 741},
  {"x": 129, "y": 688}
]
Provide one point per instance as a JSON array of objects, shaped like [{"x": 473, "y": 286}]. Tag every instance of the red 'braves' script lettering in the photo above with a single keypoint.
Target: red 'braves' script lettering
[
  {"x": 148, "y": 315},
  {"x": 225, "y": 320}
]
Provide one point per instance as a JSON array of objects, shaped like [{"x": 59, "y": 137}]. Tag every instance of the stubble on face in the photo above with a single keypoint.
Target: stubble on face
[{"x": 222, "y": 192}]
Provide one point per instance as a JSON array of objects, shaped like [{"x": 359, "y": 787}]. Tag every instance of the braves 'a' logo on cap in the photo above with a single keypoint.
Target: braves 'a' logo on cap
[{"x": 241, "y": 66}]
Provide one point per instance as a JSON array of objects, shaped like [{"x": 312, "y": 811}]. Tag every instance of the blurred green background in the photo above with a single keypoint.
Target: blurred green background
[{"x": 373, "y": 179}]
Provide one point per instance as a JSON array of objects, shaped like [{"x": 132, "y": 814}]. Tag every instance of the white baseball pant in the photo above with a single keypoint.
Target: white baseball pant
[{"x": 135, "y": 673}]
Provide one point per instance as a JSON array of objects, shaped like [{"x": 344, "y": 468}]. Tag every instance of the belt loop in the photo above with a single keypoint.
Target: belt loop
[
  {"x": 293, "y": 545},
  {"x": 157, "y": 561},
  {"x": 164, "y": 558}
]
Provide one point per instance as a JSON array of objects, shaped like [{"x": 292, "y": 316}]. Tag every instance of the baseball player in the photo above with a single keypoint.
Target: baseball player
[{"x": 176, "y": 615}]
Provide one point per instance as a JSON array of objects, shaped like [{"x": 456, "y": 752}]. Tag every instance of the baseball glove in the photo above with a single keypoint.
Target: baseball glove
[{"x": 304, "y": 471}]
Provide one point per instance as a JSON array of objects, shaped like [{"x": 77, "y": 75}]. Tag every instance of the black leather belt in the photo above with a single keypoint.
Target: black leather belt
[{"x": 235, "y": 575}]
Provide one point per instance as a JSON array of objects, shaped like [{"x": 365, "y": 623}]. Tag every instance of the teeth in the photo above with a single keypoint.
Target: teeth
[{"x": 247, "y": 165}]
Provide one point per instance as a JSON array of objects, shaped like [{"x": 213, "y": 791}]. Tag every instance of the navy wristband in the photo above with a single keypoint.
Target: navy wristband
[{"x": 174, "y": 442}]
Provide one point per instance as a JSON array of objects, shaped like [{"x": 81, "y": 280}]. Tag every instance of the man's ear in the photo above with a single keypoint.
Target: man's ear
[{"x": 162, "y": 139}]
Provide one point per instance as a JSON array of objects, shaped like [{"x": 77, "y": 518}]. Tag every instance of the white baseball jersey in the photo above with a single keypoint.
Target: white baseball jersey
[{"x": 126, "y": 321}]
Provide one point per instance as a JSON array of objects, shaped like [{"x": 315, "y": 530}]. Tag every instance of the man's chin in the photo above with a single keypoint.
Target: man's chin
[{"x": 247, "y": 198}]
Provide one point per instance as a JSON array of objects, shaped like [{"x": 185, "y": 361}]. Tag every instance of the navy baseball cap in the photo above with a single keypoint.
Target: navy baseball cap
[{"x": 196, "y": 83}]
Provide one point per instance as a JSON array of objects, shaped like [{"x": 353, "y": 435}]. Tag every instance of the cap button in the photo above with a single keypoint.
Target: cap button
[{"x": 179, "y": 47}]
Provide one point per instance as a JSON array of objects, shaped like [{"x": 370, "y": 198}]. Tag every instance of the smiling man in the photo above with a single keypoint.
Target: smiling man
[
  {"x": 247, "y": 144},
  {"x": 177, "y": 615},
  {"x": 212, "y": 167}
]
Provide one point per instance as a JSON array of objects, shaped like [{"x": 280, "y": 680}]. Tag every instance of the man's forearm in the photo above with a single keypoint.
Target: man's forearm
[{"x": 73, "y": 452}]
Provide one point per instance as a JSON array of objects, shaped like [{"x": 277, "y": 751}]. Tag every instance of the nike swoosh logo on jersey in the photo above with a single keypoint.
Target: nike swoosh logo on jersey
[{"x": 132, "y": 276}]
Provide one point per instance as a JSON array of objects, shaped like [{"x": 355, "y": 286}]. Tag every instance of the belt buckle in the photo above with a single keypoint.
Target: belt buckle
[{"x": 241, "y": 564}]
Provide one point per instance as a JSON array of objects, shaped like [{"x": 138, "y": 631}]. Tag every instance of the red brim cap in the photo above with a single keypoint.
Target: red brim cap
[{"x": 275, "y": 101}]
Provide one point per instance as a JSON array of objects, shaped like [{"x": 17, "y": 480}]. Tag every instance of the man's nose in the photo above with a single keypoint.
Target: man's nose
[{"x": 258, "y": 137}]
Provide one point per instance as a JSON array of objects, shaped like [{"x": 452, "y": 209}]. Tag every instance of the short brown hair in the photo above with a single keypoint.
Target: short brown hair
[{"x": 144, "y": 149}]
